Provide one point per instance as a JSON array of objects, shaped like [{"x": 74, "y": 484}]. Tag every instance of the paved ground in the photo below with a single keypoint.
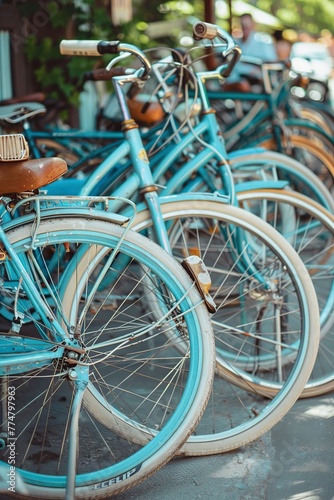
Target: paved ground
[{"x": 294, "y": 461}]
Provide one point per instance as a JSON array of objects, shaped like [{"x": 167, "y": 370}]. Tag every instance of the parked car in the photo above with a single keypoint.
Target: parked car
[{"x": 314, "y": 60}]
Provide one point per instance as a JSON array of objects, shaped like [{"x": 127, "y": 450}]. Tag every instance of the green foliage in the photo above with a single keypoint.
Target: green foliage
[
  {"x": 54, "y": 75},
  {"x": 60, "y": 76},
  {"x": 302, "y": 15}
]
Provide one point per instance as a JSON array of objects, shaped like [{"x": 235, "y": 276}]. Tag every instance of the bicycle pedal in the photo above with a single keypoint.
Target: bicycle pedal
[
  {"x": 197, "y": 270},
  {"x": 13, "y": 147}
]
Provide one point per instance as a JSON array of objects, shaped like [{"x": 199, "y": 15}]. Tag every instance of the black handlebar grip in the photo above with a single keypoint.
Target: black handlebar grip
[{"x": 103, "y": 74}]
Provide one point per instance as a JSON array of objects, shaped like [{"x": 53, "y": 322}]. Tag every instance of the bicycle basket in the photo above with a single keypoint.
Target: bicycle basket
[{"x": 13, "y": 147}]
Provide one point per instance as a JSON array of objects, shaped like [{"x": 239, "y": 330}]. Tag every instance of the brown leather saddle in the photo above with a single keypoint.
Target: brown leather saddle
[{"x": 18, "y": 174}]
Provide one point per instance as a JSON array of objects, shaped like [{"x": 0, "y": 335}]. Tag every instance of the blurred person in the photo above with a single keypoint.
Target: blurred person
[
  {"x": 283, "y": 46},
  {"x": 254, "y": 44}
]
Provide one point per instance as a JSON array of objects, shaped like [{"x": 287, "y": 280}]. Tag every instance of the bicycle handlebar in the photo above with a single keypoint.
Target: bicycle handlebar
[
  {"x": 209, "y": 31},
  {"x": 101, "y": 47},
  {"x": 88, "y": 47},
  {"x": 270, "y": 65},
  {"x": 103, "y": 74},
  {"x": 202, "y": 30}
]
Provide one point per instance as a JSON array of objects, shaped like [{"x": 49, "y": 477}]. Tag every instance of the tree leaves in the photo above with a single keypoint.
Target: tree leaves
[{"x": 306, "y": 15}]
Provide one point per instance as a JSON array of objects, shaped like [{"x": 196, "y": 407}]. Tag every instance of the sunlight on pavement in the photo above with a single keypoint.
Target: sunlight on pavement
[
  {"x": 307, "y": 495},
  {"x": 322, "y": 411}
]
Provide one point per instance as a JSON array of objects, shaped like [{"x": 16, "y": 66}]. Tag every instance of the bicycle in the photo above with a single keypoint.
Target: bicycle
[
  {"x": 249, "y": 159},
  {"x": 83, "y": 319},
  {"x": 306, "y": 226},
  {"x": 294, "y": 225},
  {"x": 212, "y": 217}
]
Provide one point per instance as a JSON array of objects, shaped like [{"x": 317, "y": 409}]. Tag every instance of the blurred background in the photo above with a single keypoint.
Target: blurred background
[{"x": 30, "y": 32}]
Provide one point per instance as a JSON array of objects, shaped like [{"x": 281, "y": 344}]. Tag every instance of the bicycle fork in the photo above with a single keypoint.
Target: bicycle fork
[{"x": 79, "y": 377}]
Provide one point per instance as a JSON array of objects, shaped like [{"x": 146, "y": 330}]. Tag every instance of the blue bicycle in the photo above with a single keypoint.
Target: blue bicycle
[
  {"x": 90, "y": 311},
  {"x": 249, "y": 262}
]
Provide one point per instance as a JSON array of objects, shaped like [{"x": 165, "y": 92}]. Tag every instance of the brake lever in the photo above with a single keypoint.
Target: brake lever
[{"x": 120, "y": 57}]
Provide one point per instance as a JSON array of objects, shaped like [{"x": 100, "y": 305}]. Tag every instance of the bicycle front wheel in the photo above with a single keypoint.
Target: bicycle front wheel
[
  {"x": 120, "y": 307},
  {"x": 267, "y": 323}
]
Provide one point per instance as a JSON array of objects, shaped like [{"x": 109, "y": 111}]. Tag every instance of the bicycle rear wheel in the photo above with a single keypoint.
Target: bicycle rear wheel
[
  {"x": 310, "y": 229},
  {"x": 123, "y": 356},
  {"x": 254, "y": 334}
]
